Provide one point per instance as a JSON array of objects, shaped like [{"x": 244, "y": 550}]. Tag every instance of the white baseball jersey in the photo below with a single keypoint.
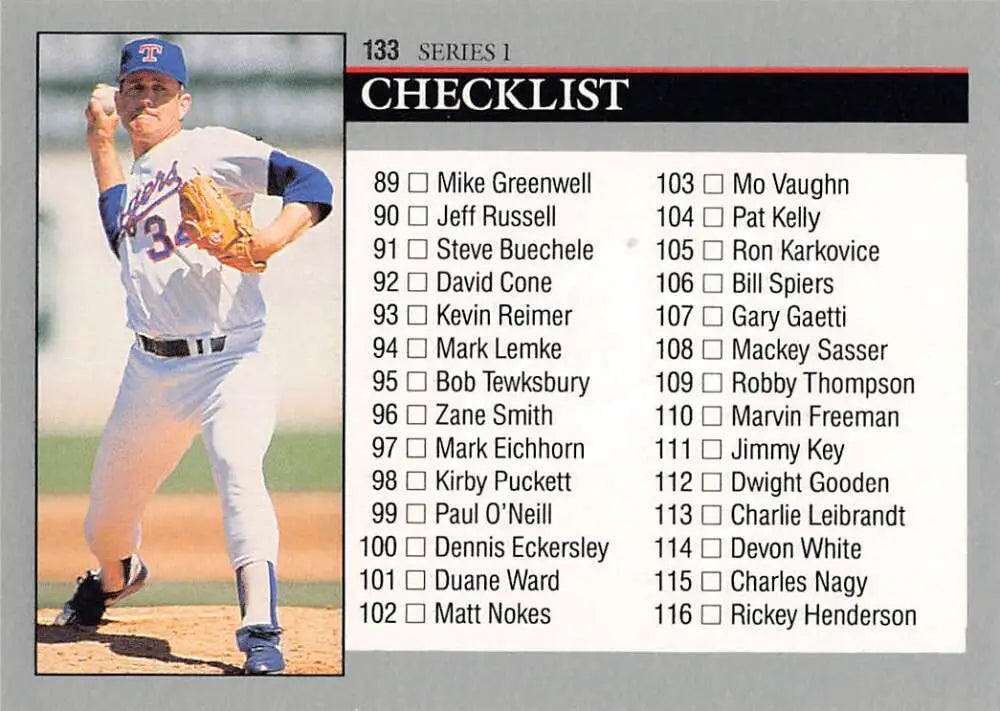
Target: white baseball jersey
[{"x": 174, "y": 289}]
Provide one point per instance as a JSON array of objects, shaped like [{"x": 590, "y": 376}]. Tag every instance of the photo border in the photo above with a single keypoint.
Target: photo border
[{"x": 343, "y": 339}]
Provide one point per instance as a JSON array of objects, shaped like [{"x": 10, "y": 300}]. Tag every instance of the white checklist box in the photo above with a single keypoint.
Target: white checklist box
[
  {"x": 416, "y": 481},
  {"x": 712, "y": 216},
  {"x": 417, "y": 248},
  {"x": 710, "y": 547},
  {"x": 417, "y": 579},
  {"x": 416, "y": 281},
  {"x": 711, "y": 515},
  {"x": 416, "y": 381},
  {"x": 711, "y": 382},
  {"x": 416, "y": 513},
  {"x": 416, "y": 414},
  {"x": 711, "y": 349},
  {"x": 416, "y": 613},
  {"x": 416, "y": 216},
  {"x": 711, "y": 315},
  {"x": 416, "y": 314},
  {"x": 711, "y": 481},
  {"x": 416, "y": 546},
  {"x": 416, "y": 347},
  {"x": 416, "y": 447},
  {"x": 711, "y": 250},
  {"x": 711, "y": 449},
  {"x": 711, "y": 415},
  {"x": 711, "y": 581},
  {"x": 711, "y": 614},
  {"x": 417, "y": 182},
  {"x": 711, "y": 283},
  {"x": 712, "y": 184}
]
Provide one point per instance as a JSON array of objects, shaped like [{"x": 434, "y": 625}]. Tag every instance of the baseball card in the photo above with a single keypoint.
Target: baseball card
[{"x": 425, "y": 356}]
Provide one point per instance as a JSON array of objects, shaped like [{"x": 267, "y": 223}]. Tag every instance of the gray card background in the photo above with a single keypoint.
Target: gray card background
[{"x": 587, "y": 33}]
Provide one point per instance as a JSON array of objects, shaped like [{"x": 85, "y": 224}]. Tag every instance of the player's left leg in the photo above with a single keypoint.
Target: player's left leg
[
  {"x": 143, "y": 440},
  {"x": 237, "y": 427}
]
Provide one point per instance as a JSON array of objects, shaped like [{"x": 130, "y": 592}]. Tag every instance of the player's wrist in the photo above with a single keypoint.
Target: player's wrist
[
  {"x": 101, "y": 146},
  {"x": 266, "y": 243}
]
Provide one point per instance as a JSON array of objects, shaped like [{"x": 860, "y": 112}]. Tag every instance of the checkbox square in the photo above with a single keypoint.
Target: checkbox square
[
  {"x": 416, "y": 447},
  {"x": 711, "y": 250},
  {"x": 712, "y": 216},
  {"x": 711, "y": 315},
  {"x": 712, "y": 184},
  {"x": 416, "y": 381},
  {"x": 711, "y": 481},
  {"x": 711, "y": 349},
  {"x": 416, "y": 314},
  {"x": 711, "y": 283},
  {"x": 711, "y": 547},
  {"x": 416, "y": 347},
  {"x": 416, "y": 414},
  {"x": 417, "y": 249},
  {"x": 416, "y": 580},
  {"x": 711, "y": 449},
  {"x": 711, "y": 614},
  {"x": 711, "y": 382},
  {"x": 416, "y": 613},
  {"x": 711, "y": 581},
  {"x": 711, "y": 515},
  {"x": 416, "y": 480},
  {"x": 416, "y": 546},
  {"x": 416, "y": 513},
  {"x": 711, "y": 415},
  {"x": 416, "y": 281},
  {"x": 417, "y": 182},
  {"x": 416, "y": 216}
]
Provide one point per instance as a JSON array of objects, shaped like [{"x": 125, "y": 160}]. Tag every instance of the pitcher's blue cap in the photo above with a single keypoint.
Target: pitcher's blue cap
[{"x": 151, "y": 54}]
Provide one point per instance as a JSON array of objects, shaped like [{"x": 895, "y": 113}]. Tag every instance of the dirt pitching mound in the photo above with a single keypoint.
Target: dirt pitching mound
[{"x": 183, "y": 640}]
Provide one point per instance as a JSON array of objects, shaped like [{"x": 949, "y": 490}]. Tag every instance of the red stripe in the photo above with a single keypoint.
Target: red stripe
[{"x": 495, "y": 69}]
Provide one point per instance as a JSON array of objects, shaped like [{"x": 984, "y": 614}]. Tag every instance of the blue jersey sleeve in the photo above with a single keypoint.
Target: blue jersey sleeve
[
  {"x": 297, "y": 181},
  {"x": 109, "y": 204}
]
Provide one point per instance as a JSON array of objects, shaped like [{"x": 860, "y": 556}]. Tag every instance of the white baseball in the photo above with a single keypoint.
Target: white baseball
[{"x": 105, "y": 94}]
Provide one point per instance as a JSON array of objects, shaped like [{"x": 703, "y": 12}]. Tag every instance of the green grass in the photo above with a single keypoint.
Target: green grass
[
  {"x": 204, "y": 593},
  {"x": 296, "y": 461}
]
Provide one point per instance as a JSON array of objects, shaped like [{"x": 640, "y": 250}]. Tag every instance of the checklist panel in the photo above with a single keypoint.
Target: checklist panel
[{"x": 655, "y": 401}]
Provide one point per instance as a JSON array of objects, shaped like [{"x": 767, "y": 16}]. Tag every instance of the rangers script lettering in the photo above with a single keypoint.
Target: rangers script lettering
[{"x": 155, "y": 191}]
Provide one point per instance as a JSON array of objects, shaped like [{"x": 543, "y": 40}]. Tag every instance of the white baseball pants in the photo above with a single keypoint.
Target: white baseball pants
[{"x": 162, "y": 403}]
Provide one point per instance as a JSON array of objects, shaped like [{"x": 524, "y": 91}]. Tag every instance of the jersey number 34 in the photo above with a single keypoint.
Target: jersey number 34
[{"x": 155, "y": 228}]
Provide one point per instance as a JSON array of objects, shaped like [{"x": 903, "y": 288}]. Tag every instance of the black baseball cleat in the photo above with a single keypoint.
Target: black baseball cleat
[
  {"x": 89, "y": 602},
  {"x": 262, "y": 645}
]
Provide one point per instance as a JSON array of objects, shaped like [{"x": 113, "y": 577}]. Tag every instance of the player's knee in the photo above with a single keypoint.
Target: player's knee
[{"x": 238, "y": 472}]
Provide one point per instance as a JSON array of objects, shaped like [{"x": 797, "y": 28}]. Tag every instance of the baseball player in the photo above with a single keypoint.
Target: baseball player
[{"x": 198, "y": 317}]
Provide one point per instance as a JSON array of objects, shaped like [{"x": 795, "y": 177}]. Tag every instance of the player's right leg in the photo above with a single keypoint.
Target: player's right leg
[
  {"x": 141, "y": 444},
  {"x": 238, "y": 425}
]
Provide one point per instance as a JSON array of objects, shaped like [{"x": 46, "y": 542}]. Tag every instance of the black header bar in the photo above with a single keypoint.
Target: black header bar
[{"x": 774, "y": 95}]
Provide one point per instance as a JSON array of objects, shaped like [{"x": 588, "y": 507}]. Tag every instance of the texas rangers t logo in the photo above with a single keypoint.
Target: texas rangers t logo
[{"x": 150, "y": 52}]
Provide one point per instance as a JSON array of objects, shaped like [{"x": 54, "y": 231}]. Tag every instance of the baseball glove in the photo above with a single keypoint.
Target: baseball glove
[{"x": 212, "y": 222}]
